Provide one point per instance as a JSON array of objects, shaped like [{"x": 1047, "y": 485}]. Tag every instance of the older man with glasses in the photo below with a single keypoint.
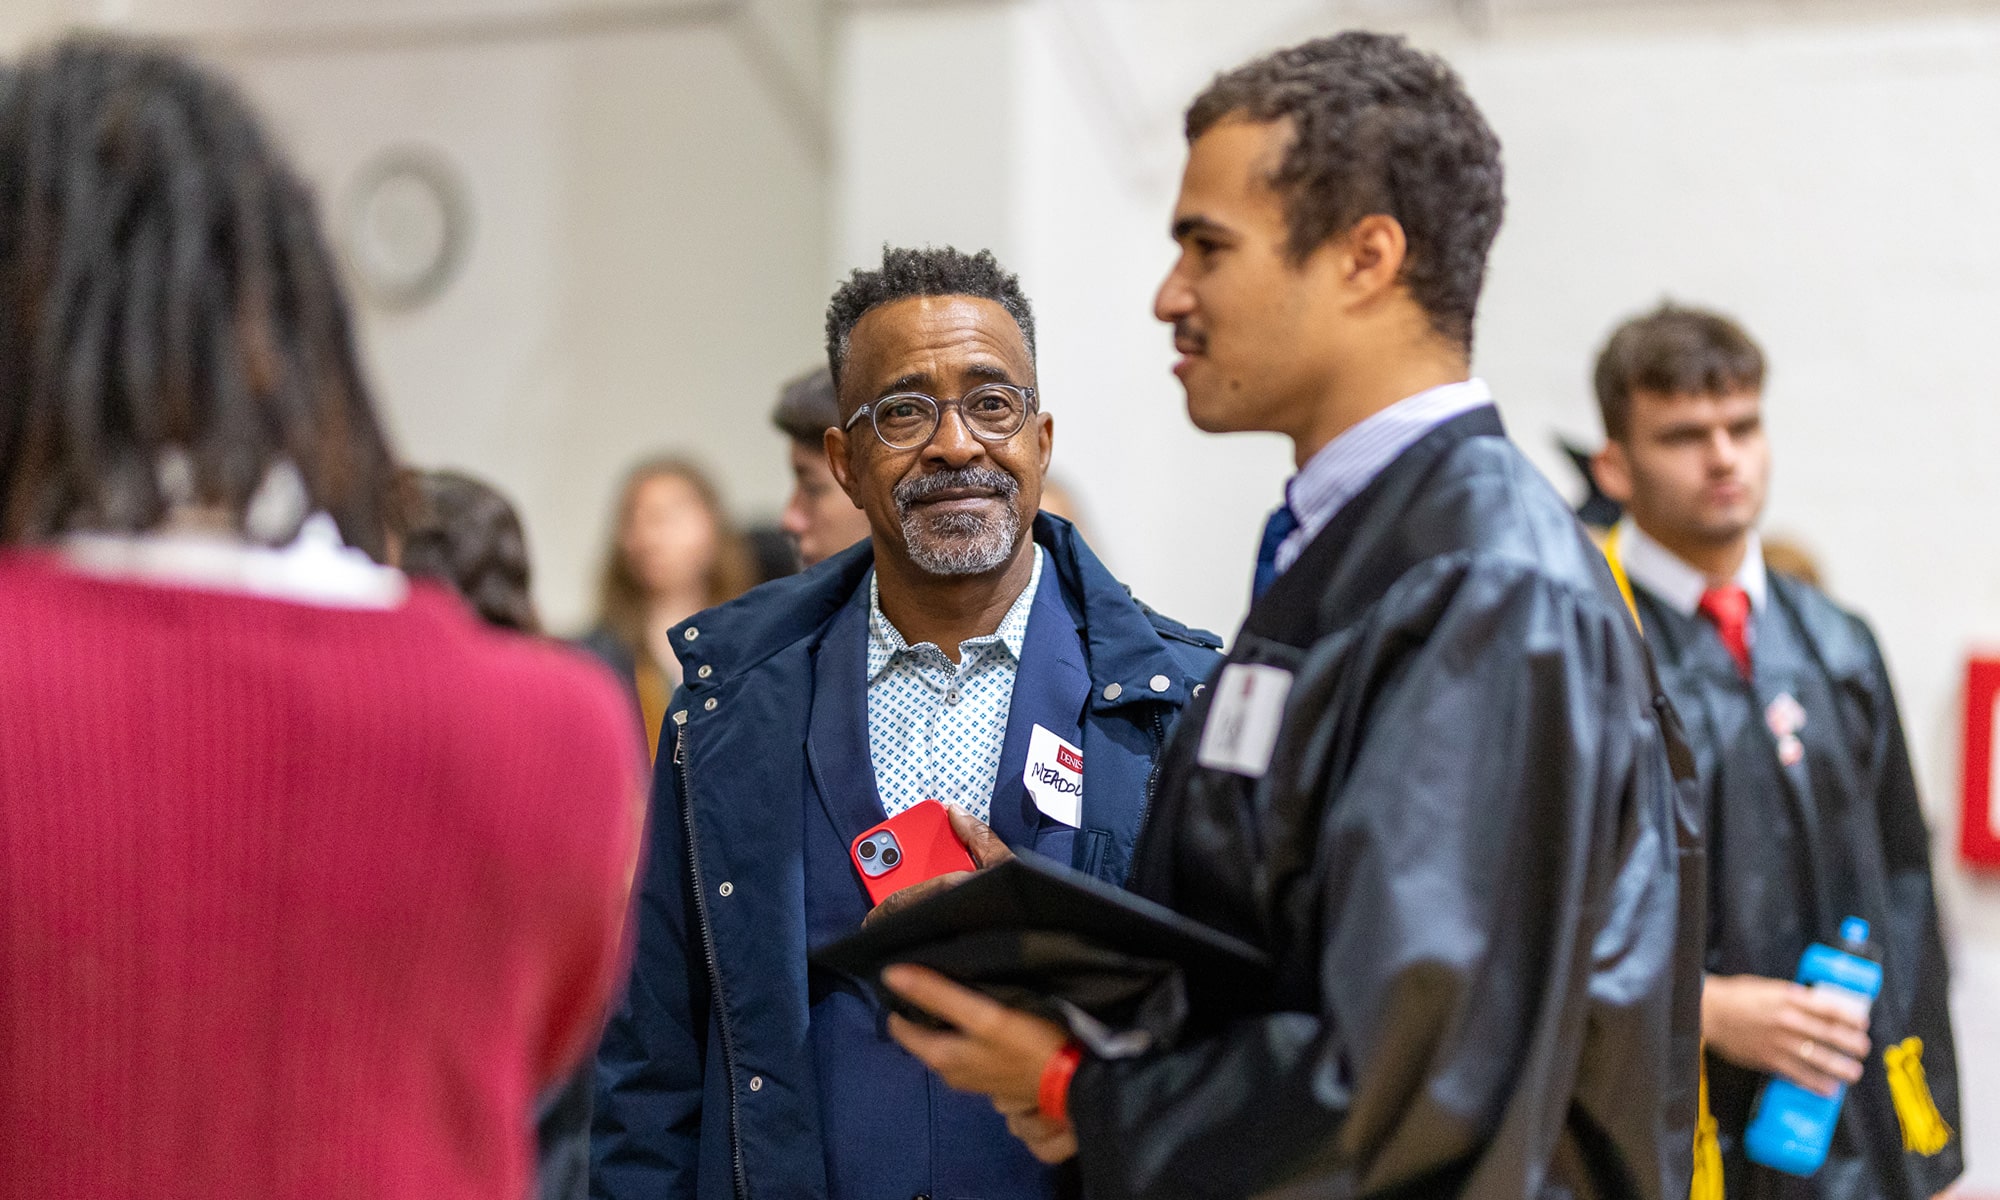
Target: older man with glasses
[{"x": 971, "y": 651}]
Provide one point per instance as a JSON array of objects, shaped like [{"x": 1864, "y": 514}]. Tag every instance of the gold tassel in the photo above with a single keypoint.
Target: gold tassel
[
  {"x": 1707, "y": 1150},
  {"x": 1924, "y": 1130}
]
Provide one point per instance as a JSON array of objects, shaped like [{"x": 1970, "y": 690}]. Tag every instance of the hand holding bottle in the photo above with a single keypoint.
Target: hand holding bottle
[
  {"x": 1818, "y": 1039},
  {"x": 1791, "y": 1127}
]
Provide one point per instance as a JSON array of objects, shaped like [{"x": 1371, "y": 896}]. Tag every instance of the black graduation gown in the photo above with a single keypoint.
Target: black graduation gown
[
  {"x": 1470, "y": 859},
  {"x": 1793, "y": 849}
]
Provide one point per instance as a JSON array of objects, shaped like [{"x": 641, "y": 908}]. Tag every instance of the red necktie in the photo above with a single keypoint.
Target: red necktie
[{"x": 1728, "y": 607}]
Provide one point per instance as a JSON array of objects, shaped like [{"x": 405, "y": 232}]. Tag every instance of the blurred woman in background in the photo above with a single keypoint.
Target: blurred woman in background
[
  {"x": 310, "y": 886},
  {"x": 673, "y": 554}
]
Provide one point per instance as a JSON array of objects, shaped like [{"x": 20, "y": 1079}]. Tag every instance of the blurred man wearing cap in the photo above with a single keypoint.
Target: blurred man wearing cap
[{"x": 820, "y": 518}]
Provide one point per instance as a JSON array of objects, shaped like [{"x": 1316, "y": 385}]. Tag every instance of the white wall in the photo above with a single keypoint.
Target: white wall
[
  {"x": 645, "y": 268},
  {"x": 1829, "y": 177},
  {"x": 927, "y": 138},
  {"x": 648, "y": 215}
]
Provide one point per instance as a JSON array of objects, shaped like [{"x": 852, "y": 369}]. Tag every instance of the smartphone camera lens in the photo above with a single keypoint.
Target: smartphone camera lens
[
  {"x": 867, "y": 850},
  {"x": 890, "y": 856}
]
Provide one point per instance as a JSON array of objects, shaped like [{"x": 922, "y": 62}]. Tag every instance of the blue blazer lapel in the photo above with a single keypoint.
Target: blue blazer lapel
[
  {"x": 843, "y": 772},
  {"x": 1051, "y": 687}
]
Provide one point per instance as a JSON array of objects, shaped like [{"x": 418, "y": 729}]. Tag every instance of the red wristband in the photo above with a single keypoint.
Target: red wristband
[{"x": 1056, "y": 1074}]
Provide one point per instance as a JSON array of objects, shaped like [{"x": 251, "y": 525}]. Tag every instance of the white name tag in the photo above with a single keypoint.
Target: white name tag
[
  {"x": 1243, "y": 719},
  {"x": 1054, "y": 776}
]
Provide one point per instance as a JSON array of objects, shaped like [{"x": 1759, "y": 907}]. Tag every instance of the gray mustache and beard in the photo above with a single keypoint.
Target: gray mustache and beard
[{"x": 958, "y": 543}]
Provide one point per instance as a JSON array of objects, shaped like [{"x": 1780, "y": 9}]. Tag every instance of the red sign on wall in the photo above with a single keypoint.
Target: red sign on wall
[{"x": 1979, "y": 822}]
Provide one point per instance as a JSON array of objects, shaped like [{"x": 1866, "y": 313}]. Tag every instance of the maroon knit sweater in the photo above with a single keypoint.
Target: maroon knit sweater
[{"x": 294, "y": 901}]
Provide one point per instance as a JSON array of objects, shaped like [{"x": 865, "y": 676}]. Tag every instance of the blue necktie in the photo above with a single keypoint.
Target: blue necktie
[{"x": 1276, "y": 529}]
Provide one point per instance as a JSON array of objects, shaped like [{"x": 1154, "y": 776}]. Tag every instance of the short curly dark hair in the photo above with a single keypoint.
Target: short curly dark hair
[
  {"x": 1377, "y": 127},
  {"x": 931, "y": 271},
  {"x": 1674, "y": 351},
  {"x": 464, "y": 534}
]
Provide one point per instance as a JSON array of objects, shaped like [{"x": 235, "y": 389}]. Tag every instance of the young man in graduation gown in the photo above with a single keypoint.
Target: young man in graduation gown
[
  {"x": 969, "y": 651},
  {"x": 1433, "y": 779},
  {"x": 1811, "y": 805}
]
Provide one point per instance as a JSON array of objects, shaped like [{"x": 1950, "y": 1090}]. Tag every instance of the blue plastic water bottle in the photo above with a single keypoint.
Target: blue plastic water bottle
[{"x": 1792, "y": 1128}]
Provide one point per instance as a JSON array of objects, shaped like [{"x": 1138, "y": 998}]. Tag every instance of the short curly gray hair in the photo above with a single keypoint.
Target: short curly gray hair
[{"x": 931, "y": 271}]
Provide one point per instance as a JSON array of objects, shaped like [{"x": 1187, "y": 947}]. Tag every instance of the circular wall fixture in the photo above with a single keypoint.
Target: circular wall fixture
[{"x": 405, "y": 226}]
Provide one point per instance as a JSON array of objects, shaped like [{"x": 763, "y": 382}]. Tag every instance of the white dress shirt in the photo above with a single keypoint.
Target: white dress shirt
[
  {"x": 316, "y": 568},
  {"x": 1675, "y": 583}
]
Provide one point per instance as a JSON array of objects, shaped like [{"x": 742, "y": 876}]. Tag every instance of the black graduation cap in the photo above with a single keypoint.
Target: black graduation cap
[
  {"x": 1120, "y": 971},
  {"x": 1596, "y": 510}
]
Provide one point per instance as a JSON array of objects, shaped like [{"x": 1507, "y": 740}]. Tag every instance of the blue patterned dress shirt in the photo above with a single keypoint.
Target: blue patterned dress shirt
[{"x": 935, "y": 727}]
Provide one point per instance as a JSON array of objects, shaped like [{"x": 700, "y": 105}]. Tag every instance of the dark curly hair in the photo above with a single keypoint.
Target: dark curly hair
[
  {"x": 1377, "y": 127},
  {"x": 931, "y": 271},
  {"x": 172, "y": 330},
  {"x": 1677, "y": 352},
  {"x": 464, "y": 534}
]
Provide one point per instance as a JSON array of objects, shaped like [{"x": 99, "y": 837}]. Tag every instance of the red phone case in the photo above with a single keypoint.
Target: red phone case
[{"x": 925, "y": 848}]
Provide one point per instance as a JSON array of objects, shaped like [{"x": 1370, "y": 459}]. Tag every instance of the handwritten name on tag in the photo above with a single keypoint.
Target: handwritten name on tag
[
  {"x": 1054, "y": 777},
  {"x": 1242, "y": 726}
]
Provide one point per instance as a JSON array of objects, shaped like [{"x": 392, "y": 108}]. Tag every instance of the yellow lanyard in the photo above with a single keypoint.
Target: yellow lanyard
[
  {"x": 1617, "y": 565},
  {"x": 1707, "y": 1148}
]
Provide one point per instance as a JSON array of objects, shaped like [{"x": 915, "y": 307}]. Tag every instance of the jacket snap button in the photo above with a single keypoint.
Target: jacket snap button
[
  {"x": 726, "y": 889},
  {"x": 756, "y": 1083},
  {"x": 708, "y": 705},
  {"x": 1160, "y": 683},
  {"x": 705, "y": 671},
  {"x": 1199, "y": 688},
  {"x": 1112, "y": 691},
  {"x": 690, "y": 633}
]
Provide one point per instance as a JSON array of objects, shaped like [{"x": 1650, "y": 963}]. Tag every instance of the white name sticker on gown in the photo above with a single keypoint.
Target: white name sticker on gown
[{"x": 1243, "y": 720}]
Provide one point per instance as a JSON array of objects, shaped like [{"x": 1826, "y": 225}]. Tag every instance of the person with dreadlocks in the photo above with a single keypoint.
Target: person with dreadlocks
[{"x": 309, "y": 884}]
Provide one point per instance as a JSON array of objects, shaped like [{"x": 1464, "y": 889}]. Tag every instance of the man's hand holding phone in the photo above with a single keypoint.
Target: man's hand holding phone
[{"x": 934, "y": 873}]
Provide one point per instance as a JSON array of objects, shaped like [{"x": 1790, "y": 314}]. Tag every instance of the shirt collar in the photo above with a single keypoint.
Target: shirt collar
[
  {"x": 886, "y": 643},
  {"x": 1677, "y": 583},
  {"x": 1339, "y": 470},
  {"x": 316, "y": 568}
]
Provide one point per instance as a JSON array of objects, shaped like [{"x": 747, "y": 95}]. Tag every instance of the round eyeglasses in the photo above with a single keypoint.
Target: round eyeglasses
[{"x": 993, "y": 412}]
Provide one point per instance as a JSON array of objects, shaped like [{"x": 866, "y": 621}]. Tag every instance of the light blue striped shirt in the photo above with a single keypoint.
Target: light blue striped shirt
[{"x": 1351, "y": 461}]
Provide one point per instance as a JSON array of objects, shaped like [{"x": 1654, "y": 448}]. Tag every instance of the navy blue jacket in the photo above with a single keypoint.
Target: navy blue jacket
[{"x": 731, "y": 1069}]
